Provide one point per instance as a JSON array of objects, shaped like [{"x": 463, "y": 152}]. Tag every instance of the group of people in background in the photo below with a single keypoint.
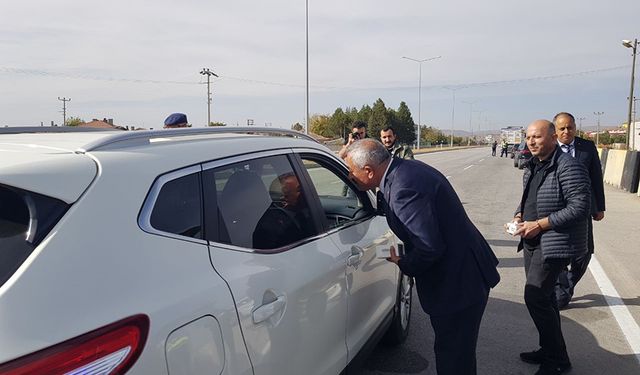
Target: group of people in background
[{"x": 562, "y": 193}]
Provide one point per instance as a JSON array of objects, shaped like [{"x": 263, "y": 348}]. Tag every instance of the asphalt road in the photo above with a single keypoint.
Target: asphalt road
[{"x": 598, "y": 340}]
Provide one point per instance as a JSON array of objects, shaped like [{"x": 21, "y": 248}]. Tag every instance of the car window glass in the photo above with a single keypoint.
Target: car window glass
[
  {"x": 338, "y": 199},
  {"x": 259, "y": 204},
  {"x": 178, "y": 208}
]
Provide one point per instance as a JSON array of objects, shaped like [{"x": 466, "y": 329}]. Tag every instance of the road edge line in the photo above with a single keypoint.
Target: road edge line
[{"x": 621, "y": 313}]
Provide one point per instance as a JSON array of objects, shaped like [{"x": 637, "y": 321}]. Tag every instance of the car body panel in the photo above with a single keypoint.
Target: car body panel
[{"x": 310, "y": 279}]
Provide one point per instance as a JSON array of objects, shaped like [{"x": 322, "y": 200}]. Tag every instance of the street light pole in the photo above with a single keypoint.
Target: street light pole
[
  {"x": 207, "y": 72},
  {"x": 453, "y": 112},
  {"x": 306, "y": 128},
  {"x": 420, "y": 91},
  {"x": 598, "y": 128},
  {"x": 634, "y": 47},
  {"x": 470, "y": 115}
]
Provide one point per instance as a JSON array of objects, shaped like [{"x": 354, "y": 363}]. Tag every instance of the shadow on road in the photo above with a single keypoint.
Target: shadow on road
[{"x": 506, "y": 331}]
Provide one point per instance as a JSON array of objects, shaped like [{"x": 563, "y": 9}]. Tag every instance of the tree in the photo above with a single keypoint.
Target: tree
[
  {"x": 297, "y": 127},
  {"x": 74, "y": 121},
  {"x": 338, "y": 122},
  {"x": 217, "y": 124},
  {"x": 380, "y": 117},
  {"x": 364, "y": 114},
  {"x": 403, "y": 124},
  {"x": 320, "y": 125}
]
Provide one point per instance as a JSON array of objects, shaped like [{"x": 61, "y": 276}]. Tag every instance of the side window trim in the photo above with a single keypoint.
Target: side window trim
[{"x": 144, "y": 217}]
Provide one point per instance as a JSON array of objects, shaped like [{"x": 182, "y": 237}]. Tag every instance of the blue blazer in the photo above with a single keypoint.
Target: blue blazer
[{"x": 454, "y": 267}]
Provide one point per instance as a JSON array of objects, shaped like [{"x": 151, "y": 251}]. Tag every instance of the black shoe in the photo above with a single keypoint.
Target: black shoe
[
  {"x": 536, "y": 357},
  {"x": 546, "y": 369}
]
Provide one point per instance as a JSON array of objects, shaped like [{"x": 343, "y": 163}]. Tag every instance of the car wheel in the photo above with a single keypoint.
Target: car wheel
[
  {"x": 515, "y": 162},
  {"x": 521, "y": 164},
  {"x": 399, "y": 329}
]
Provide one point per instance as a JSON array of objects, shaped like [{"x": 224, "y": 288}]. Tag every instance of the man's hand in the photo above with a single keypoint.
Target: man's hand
[
  {"x": 393, "y": 258},
  {"x": 528, "y": 229},
  {"x": 598, "y": 216}
]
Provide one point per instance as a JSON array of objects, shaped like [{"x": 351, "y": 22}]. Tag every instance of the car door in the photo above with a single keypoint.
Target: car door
[
  {"x": 355, "y": 229},
  {"x": 287, "y": 281}
]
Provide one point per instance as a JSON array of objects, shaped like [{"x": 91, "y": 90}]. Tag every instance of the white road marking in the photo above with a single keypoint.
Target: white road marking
[
  {"x": 481, "y": 160},
  {"x": 448, "y": 177},
  {"x": 468, "y": 167},
  {"x": 620, "y": 311}
]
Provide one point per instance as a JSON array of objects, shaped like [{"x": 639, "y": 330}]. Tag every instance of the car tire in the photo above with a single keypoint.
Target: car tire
[
  {"x": 515, "y": 162},
  {"x": 521, "y": 163},
  {"x": 399, "y": 329}
]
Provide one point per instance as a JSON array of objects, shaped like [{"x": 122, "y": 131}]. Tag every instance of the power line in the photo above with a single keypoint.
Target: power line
[{"x": 44, "y": 73}]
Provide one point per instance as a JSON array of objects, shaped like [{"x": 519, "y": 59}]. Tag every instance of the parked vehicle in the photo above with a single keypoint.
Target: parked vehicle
[
  {"x": 513, "y": 135},
  {"x": 521, "y": 155},
  {"x": 191, "y": 251}
]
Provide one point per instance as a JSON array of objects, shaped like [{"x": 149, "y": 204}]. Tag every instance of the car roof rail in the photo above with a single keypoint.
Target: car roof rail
[
  {"x": 50, "y": 129},
  {"x": 140, "y": 137}
]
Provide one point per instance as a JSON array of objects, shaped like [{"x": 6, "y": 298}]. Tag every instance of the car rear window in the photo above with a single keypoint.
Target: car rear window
[{"x": 25, "y": 219}]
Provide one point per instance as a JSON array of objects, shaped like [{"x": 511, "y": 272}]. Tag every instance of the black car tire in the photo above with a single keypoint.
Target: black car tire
[
  {"x": 399, "y": 328},
  {"x": 521, "y": 163}
]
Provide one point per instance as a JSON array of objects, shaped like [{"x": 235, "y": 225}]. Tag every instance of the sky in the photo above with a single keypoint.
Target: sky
[{"x": 506, "y": 62}]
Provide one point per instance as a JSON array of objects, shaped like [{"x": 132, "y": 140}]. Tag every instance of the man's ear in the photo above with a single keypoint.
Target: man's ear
[{"x": 369, "y": 171}]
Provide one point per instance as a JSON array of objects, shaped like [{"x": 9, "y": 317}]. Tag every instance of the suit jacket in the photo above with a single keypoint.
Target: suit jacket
[
  {"x": 454, "y": 267},
  {"x": 586, "y": 152}
]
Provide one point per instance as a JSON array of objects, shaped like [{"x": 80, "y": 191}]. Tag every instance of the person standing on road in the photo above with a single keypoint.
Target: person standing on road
[
  {"x": 453, "y": 266},
  {"x": 494, "y": 145},
  {"x": 389, "y": 140},
  {"x": 176, "y": 120},
  {"x": 358, "y": 131},
  {"x": 585, "y": 151},
  {"x": 552, "y": 222},
  {"x": 504, "y": 148}
]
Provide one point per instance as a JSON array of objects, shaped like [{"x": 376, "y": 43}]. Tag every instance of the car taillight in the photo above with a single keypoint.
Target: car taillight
[
  {"x": 526, "y": 151},
  {"x": 112, "y": 349}
]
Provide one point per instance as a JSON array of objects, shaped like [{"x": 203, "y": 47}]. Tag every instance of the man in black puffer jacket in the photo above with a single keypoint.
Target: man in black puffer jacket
[{"x": 552, "y": 221}]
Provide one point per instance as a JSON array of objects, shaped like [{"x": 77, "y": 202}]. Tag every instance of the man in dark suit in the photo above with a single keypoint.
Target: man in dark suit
[
  {"x": 585, "y": 151},
  {"x": 452, "y": 264}
]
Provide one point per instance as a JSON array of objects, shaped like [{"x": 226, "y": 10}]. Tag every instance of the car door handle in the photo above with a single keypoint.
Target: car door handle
[
  {"x": 356, "y": 256},
  {"x": 268, "y": 310}
]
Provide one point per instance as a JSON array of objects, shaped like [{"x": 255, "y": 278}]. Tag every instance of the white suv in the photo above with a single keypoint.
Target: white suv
[{"x": 189, "y": 251}]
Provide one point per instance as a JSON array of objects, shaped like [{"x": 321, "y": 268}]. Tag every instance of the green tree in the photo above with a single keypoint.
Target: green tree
[
  {"x": 404, "y": 125},
  {"x": 217, "y": 123},
  {"x": 339, "y": 123},
  {"x": 380, "y": 117},
  {"x": 297, "y": 127},
  {"x": 365, "y": 113},
  {"x": 74, "y": 121},
  {"x": 605, "y": 138}
]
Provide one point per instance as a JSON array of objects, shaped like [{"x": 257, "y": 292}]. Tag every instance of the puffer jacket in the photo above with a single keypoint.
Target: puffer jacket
[{"x": 564, "y": 195}]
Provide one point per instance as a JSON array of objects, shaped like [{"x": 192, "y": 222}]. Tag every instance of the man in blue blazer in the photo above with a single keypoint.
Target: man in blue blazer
[
  {"x": 454, "y": 267},
  {"x": 584, "y": 151}
]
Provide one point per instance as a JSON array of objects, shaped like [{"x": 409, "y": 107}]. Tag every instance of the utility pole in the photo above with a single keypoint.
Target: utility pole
[
  {"x": 598, "y": 128},
  {"x": 207, "y": 72},
  {"x": 64, "y": 109},
  {"x": 634, "y": 48},
  {"x": 580, "y": 122},
  {"x": 306, "y": 8}
]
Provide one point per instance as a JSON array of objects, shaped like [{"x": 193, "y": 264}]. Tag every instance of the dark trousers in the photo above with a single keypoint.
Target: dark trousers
[
  {"x": 456, "y": 336},
  {"x": 540, "y": 298},
  {"x": 493, "y": 151},
  {"x": 503, "y": 152},
  {"x": 568, "y": 278}
]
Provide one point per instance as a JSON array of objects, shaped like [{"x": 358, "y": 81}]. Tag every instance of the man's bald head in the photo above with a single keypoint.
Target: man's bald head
[{"x": 541, "y": 138}]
